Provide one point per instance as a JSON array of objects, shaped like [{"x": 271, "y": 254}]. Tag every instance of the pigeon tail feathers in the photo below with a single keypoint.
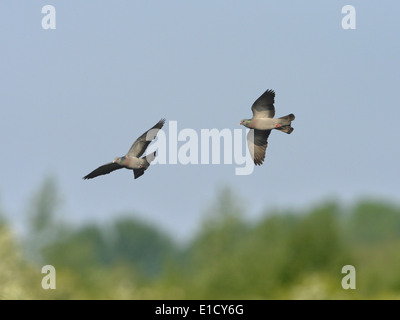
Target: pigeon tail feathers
[
  {"x": 289, "y": 117},
  {"x": 148, "y": 159},
  {"x": 286, "y": 129}
]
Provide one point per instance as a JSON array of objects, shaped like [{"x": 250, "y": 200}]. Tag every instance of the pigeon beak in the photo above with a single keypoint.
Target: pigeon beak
[{"x": 240, "y": 123}]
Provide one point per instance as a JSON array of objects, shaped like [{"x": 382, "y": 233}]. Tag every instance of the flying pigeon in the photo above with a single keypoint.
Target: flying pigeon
[
  {"x": 132, "y": 159},
  {"x": 262, "y": 123}
]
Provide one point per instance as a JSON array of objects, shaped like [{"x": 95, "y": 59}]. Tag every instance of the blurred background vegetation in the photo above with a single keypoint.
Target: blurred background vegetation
[{"x": 283, "y": 255}]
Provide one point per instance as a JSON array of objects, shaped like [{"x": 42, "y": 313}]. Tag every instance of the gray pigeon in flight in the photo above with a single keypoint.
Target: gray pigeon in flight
[
  {"x": 262, "y": 123},
  {"x": 132, "y": 159}
]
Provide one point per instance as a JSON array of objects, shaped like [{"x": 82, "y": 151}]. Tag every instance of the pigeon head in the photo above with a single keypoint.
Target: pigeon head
[
  {"x": 119, "y": 160},
  {"x": 245, "y": 122}
]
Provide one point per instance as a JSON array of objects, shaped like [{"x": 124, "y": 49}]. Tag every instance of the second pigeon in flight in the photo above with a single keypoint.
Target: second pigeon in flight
[
  {"x": 262, "y": 123},
  {"x": 132, "y": 159}
]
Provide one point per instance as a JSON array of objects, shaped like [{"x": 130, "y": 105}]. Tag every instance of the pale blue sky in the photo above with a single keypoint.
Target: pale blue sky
[{"x": 75, "y": 97}]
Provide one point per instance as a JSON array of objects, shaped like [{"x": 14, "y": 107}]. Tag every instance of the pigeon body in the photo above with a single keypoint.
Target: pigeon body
[
  {"x": 132, "y": 160},
  {"x": 262, "y": 123}
]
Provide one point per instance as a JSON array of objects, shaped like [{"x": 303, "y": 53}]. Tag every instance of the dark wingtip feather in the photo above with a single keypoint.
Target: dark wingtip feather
[
  {"x": 138, "y": 173},
  {"x": 161, "y": 123},
  {"x": 104, "y": 169}
]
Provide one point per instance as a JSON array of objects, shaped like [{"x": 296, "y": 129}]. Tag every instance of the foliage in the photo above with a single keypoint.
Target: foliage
[
  {"x": 18, "y": 279},
  {"x": 284, "y": 255}
]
